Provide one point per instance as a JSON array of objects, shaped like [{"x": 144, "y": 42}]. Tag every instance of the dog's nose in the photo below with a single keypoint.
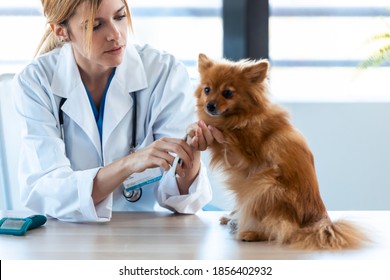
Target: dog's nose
[{"x": 211, "y": 107}]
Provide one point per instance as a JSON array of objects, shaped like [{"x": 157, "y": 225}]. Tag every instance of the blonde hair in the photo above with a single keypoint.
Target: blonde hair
[{"x": 59, "y": 12}]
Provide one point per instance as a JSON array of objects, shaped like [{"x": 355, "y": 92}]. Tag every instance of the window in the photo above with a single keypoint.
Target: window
[
  {"x": 181, "y": 27},
  {"x": 317, "y": 46},
  {"x": 21, "y": 29}
]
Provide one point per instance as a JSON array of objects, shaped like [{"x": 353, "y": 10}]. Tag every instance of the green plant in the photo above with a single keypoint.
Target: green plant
[{"x": 381, "y": 55}]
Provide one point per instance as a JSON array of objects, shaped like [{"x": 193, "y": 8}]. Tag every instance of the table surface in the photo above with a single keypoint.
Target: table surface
[{"x": 162, "y": 235}]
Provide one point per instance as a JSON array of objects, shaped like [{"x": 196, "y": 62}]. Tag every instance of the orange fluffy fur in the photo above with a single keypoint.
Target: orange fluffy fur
[{"x": 268, "y": 164}]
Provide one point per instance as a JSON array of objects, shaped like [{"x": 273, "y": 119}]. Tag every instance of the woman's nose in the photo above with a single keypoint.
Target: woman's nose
[{"x": 113, "y": 33}]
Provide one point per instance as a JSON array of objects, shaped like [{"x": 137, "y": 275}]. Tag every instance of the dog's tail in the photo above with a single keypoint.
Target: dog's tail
[{"x": 329, "y": 236}]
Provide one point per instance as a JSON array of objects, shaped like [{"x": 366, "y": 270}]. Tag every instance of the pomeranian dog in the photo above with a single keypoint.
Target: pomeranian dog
[{"x": 268, "y": 164}]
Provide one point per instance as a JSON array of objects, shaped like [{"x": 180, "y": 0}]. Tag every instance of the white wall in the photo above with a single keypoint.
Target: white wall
[{"x": 351, "y": 146}]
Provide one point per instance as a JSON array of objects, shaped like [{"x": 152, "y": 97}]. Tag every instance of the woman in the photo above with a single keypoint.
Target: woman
[{"x": 87, "y": 100}]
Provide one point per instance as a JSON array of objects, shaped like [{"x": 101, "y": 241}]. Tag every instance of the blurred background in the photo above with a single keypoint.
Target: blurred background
[{"x": 315, "y": 49}]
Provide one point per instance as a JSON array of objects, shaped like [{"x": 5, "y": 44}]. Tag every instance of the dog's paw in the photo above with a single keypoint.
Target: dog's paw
[
  {"x": 224, "y": 220},
  {"x": 232, "y": 223},
  {"x": 191, "y": 130},
  {"x": 249, "y": 236}
]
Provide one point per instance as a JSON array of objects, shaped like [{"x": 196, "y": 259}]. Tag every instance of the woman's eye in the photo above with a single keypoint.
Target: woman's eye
[
  {"x": 121, "y": 17},
  {"x": 96, "y": 26},
  {"x": 207, "y": 90}
]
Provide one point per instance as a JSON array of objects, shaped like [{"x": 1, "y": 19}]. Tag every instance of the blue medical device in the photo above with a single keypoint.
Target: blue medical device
[{"x": 19, "y": 226}]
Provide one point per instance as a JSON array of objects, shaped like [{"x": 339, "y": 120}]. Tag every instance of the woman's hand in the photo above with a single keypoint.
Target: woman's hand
[
  {"x": 161, "y": 153},
  {"x": 158, "y": 154}
]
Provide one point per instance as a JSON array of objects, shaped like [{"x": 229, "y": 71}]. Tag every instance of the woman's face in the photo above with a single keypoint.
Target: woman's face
[{"x": 109, "y": 35}]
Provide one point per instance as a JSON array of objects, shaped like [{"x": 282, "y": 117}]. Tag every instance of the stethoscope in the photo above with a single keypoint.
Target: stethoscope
[{"x": 133, "y": 195}]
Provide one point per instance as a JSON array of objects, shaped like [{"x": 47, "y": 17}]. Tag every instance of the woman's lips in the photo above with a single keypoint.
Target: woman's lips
[{"x": 115, "y": 51}]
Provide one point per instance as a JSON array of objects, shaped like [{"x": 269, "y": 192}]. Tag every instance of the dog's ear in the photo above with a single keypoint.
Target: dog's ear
[
  {"x": 204, "y": 62},
  {"x": 258, "y": 71}
]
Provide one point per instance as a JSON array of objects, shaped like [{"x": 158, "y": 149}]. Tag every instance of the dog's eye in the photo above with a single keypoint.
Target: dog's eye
[
  {"x": 227, "y": 93},
  {"x": 207, "y": 90}
]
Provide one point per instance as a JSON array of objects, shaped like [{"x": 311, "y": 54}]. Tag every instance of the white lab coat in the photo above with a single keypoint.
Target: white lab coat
[{"x": 56, "y": 176}]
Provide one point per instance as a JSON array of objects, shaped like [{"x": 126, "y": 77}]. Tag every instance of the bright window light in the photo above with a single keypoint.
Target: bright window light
[{"x": 315, "y": 46}]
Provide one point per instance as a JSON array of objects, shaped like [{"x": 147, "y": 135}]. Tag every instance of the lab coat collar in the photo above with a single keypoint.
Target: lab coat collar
[{"x": 129, "y": 77}]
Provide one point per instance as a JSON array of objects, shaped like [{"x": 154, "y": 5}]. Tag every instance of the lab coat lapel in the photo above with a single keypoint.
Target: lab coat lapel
[
  {"x": 129, "y": 77},
  {"x": 78, "y": 108},
  {"x": 67, "y": 84}
]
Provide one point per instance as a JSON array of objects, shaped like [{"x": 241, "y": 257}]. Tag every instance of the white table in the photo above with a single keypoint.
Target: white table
[{"x": 166, "y": 236}]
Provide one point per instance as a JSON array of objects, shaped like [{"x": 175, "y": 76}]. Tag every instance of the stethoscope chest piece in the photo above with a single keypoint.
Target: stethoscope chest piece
[{"x": 132, "y": 196}]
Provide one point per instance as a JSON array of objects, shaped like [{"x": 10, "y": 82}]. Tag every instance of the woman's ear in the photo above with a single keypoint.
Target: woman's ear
[{"x": 60, "y": 32}]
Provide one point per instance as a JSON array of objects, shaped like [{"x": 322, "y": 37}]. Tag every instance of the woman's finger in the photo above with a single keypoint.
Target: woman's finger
[
  {"x": 180, "y": 148},
  {"x": 207, "y": 135},
  {"x": 217, "y": 134}
]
